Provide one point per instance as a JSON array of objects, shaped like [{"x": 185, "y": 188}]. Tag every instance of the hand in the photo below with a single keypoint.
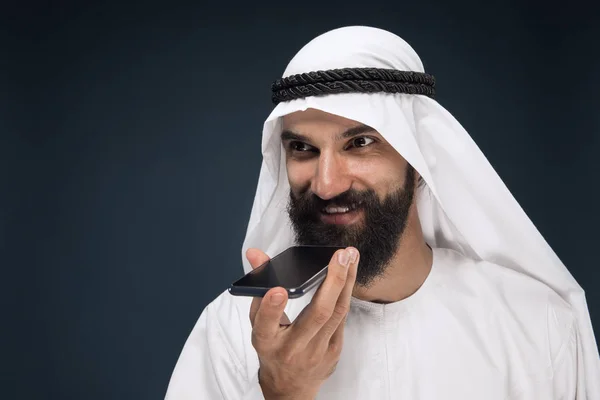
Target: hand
[{"x": 296, "y": 358}]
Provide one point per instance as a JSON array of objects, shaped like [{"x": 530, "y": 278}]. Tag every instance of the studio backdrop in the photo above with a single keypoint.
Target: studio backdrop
[{"x": 131, "y": 150}]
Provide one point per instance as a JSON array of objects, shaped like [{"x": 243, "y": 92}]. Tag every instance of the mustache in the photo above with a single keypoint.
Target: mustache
[{"x": 310, "y": 203}]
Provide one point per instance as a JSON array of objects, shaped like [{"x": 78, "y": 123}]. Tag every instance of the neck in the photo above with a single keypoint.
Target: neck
[{"x": 407, "y": 270}]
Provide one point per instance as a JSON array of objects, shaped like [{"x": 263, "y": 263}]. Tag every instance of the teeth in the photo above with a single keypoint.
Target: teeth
[{"x": 334, "y": 210}]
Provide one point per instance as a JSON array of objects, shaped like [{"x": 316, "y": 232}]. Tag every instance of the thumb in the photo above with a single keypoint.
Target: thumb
[{"x": 256, "y": 257}]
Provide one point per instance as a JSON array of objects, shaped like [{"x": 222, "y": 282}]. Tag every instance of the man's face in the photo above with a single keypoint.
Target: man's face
[{"x": 349, "y": 187}]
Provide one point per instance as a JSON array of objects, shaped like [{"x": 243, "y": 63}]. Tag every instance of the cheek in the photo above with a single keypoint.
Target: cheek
[
  {"x": 299, "y": 175},
  {"x": 379, "y": 174},
  {"x": 371, "y": 171}
]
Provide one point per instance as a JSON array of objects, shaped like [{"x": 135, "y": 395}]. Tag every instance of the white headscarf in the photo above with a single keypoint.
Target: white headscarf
[{"x": 464, "y": 206}]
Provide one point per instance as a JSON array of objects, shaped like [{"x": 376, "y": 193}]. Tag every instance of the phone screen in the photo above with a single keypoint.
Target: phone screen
[{"x": 291, "y": 268}]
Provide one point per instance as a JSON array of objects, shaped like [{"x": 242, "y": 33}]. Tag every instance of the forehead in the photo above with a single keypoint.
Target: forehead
[{"x": 312, "y": 117}]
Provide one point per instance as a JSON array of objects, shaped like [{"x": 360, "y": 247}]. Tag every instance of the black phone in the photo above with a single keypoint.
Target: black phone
[{"x": 297, "y": 269}]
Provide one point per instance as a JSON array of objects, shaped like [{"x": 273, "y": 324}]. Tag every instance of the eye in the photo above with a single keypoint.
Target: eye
[
  {"x": 362, "y": 141},
  {"x": 299, "y": 146}
]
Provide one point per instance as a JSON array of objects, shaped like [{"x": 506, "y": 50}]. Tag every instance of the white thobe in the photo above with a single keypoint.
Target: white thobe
[{"x": 474, "y": 330}]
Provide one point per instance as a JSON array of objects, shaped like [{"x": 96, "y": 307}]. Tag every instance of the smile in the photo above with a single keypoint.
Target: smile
[
  {"x": 341, "y": 215},
  {"x": 340, "y": 210}
]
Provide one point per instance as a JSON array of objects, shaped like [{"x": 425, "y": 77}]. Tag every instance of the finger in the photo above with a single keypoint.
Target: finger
[
  {"x": 266, "y": 322},
  {"x": 256, "y": 301},
  {"x": 334, "y": 347},
  {"x": 256, "y": 257},
  {"x": 337, "y": 339},
  {"x": 285, "y": 321},
  {"x": 342, "y": 306},
  {"x": 321, "y": 307}
]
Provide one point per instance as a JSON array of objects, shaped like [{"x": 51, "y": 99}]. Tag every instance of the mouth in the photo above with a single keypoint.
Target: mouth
[
  {"x": 331, "y": 210},
  {"x": 341, "y": 215}
]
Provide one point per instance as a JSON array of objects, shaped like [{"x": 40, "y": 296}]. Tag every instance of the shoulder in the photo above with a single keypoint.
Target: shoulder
[
  {"x": 227, "y": 309},
  {"x": 497, "y": 283},
  {"x": 524, "y": 308},
  {"x": 215, "y": 358},
  {"x": 227, "y": 317},
  {"x": 221, "y": 337}
]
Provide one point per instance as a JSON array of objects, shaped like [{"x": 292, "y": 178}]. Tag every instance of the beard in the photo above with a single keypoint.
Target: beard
[{"x": 377, "y": 237}]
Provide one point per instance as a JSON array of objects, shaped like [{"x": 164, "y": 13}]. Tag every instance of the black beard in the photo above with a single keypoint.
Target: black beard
[{"x": 377, "y": 237}]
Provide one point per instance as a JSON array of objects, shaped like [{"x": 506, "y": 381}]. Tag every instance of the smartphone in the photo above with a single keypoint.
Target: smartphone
[{"x": 297, "y": 269}]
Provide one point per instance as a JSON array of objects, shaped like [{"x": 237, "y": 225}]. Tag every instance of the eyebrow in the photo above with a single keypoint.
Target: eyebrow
[{"x": 348, "y": 133}]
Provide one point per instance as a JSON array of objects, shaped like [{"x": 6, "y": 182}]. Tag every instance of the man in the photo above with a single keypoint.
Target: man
[{"x": 446, "y": 289}]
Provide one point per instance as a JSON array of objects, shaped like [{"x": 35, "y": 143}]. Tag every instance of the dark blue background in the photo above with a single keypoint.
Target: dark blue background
[{"x": 130, "y": 150}]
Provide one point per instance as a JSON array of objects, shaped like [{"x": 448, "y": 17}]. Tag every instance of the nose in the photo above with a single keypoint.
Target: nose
[{"x": 331, "y": 177}]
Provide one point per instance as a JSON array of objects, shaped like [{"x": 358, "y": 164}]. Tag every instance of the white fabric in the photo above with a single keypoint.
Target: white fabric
[
  {"x": 464, "y": 207},
  {"x": 473, "y": 331}
]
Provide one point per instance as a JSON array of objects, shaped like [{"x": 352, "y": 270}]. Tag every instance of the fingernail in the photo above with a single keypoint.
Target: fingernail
[
  {"x": 353, "y": 255},
  {"x": 343, "y": 257},
  {"x": 276, "y": 299}
]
